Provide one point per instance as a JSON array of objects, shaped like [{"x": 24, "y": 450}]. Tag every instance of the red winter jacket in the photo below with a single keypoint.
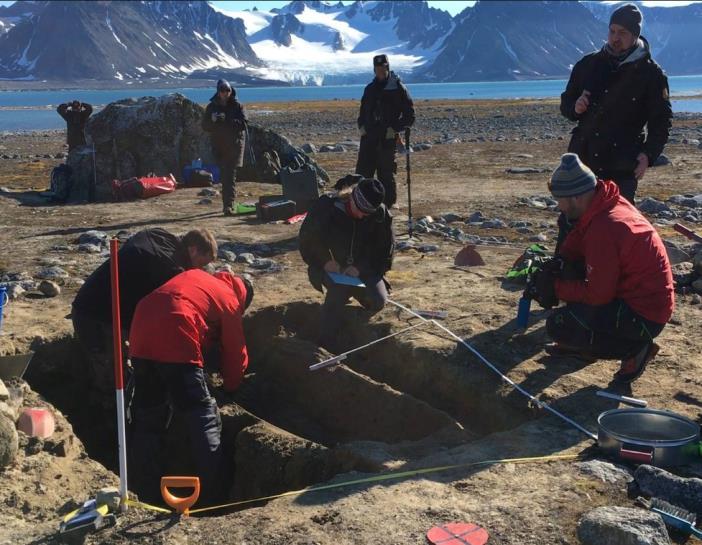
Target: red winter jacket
[
  {"x": 178, "y": 321},
  {"x": 624, "y": 258}
]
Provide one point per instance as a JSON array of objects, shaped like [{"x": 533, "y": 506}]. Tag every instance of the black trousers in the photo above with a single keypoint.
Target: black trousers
[
  {"x": 611, "y": 331},
  {"x": 227, "y": 177},
  {"x": 377, "y": 155},
  {"x": 373, "y": 298},
  {"x": 162, "y": 390},
  {"x": 95, "y": 368}
]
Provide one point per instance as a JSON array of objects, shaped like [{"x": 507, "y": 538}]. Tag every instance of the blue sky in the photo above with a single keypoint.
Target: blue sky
[{"x": 452, "y": 6}]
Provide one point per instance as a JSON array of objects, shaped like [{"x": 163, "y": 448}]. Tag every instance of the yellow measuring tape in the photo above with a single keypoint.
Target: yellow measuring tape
[{"x": 374, "y": 479}]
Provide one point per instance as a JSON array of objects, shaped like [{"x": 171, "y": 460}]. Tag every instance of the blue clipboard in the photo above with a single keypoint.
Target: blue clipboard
[{"x": 346, "y": 280}]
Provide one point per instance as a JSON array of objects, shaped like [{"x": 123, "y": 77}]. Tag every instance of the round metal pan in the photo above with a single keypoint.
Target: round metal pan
[{"x": 650, "y": 436}]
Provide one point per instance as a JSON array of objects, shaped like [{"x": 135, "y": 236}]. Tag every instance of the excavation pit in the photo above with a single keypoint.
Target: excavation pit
[{"x": 288, "y": 427}]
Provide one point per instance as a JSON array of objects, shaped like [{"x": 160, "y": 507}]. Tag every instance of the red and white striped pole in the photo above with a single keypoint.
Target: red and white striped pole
[{"x": 119, "y": 376}]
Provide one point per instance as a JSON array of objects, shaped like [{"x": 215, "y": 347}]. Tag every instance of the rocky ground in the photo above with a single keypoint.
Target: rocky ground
[{"x": 416, "y": 401}]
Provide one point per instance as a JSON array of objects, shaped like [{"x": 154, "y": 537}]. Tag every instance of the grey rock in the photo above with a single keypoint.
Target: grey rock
[
  {"x": 421, "y": 147},
  {"x": 688, "y": 201},
  {"x": 675, "y": 253},
  {"x": 204, "y": 201},
  {"x": 326, "y": 148},
  {"x": 265, "y": 265},
  {"x": 494, "y": 223},
  {"x": 4, "y": 392},
  {"x": 656, "y": 482},
  {"x": 224, "y": 267},
  {"x": 605, "y": 471},
  {"x": 14, "y": 289},
  {"x": 650, "y": 205},
  {"x": 226, "y": 255},
  {"x": 89, "y": 248},
  {"x": 9, "y": 441},
  {"x": 404, "y": 245},
  {"x": 695, "y": 299},
  {"x": 349, "y": 145},
  {"x": 697, "y": 263},
  {"x": 622, "y": 526},
  {"x": 697, "y": 286},
  {"x": 524, "y": 230},
  {"x": 518, "y": 224},
  {"x": 98, "y": 238},
  {"x": 691, "y": 141},
  {"x": 475, "y": 217},
  {"x": 683, "y": 274},
  {"x": 136, "y": 136},
  {"x": 538, "y": 238},
  {"x": 52, "y": 272},
  {"x": 246, "y": 257},
  {"x": 427, "y": 248},
  {"x": 208, "y": 192},
  {"x": 524, "y": 155},
  {"x": 49, "y": 288},
  {"x": 308, "y": 147},
  {"x": 450, "y": 217}
]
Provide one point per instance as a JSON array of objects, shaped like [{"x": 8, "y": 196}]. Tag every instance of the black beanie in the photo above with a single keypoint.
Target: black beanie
[
  {"x": 381, "y": 60},
  {"x": 629, "y": 17},
  {"x": 368, "y": 195}
]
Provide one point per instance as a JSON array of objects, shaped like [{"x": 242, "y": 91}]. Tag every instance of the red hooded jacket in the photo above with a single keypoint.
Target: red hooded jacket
[
  {"x": 178, "y": 321},
  {"x": 624, "y": 258}
]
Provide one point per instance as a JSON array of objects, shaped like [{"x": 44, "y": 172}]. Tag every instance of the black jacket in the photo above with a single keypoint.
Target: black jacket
[
  {"x": 146, "y": 261},
  {"x": 385, "y": 104},
  {"x": 228, "y": 138},
  {"x": 75, "y": 123},
  {"x": 624, "y": 98},
  {"x": 327, "y": 231}
]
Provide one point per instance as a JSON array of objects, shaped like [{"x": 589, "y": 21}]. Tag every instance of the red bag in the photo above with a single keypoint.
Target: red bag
[{"x": 142, "y": 188}]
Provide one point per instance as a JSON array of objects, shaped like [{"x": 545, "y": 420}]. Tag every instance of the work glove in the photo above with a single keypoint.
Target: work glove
[
  {"x": 361, "y": 131},
  {"x": 390, "y": 134},
  {"x": 573, "y": 270},
  {"x": 544, "y": 289},
  {"x": 215, "y": 118}
]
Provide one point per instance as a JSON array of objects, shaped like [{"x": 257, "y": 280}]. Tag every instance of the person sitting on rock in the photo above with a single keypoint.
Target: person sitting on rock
[
  {"x": 76, "y": 115},
  {"x": 146, "y": 261},
  {"x": 172, "y": 329},
  {"x": 351, "y": 234},
  {"x": 225, "y": 120},
  {"x": 613, "y": 273}
]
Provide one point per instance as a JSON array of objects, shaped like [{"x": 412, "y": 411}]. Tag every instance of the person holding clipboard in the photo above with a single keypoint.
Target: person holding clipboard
[{"x": 347, "y": 242}]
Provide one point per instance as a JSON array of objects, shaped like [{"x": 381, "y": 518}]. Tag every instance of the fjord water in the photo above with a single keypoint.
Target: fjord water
[{"x": 34, "y": 110}]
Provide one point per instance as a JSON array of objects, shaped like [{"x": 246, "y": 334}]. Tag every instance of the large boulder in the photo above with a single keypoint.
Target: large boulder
[
  {"x": 137, "y": 136},
  {"x": 622, "y": 526},
  {"x": 8, "y": 441}
]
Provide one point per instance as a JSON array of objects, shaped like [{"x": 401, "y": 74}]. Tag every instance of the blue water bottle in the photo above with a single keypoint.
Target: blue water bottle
[
  {"x": 523, "y": 312},
  {"x": 3, "y": 301}
]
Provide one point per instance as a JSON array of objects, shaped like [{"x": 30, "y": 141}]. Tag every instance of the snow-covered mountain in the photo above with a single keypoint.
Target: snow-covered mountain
[
  {"x": 124, "y": 41},
  {"x": 316, "y": 42}
]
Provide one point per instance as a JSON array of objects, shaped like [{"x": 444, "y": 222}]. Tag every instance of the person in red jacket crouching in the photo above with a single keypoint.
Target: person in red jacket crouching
[
  {"x": 172, "y": 328},
  {"x": 612, "y": 271}
]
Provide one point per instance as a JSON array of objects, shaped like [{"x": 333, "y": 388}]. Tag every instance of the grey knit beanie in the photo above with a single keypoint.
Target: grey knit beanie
[
  {"x": 629, "y": 17},
  {"x": 571, "y": 178}
]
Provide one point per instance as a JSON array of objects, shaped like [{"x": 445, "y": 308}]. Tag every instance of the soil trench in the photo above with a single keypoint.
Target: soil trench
[{"x": 287, "y": 427}]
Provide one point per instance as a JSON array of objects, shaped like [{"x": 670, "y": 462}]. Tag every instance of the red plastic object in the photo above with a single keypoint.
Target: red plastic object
[
  {"x": 37, "y": 423},
  {"x": 458, "y": 533},
  {"x": 157, "y": 185}
]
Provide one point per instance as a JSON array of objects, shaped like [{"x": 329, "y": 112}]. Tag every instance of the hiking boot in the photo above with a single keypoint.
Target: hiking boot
[
  {"x": 560, "y": 350},
  {"x": 229, "y": 211},
  {"x": 633, "y": 367}
]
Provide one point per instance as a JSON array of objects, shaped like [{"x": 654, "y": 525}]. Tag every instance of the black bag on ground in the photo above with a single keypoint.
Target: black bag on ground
[
  {"x": 274, "y": 208},
  {"x": 200, "y": 178},
  {"x": 61, "y": 183},
  {"x": 299, "y": 181}
]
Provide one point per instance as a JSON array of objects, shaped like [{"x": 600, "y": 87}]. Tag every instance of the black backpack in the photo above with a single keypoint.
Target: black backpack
[{"x": 61, "y": 183}]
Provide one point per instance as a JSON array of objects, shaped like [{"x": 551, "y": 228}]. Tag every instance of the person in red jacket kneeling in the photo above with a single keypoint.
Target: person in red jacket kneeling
[
  {"x": 613, "y": 273},
  {"x": 172, "y": 328}
]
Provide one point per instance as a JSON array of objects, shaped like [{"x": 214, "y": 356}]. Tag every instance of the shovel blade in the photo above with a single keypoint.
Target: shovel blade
[{"x": 468, "y": 257}]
